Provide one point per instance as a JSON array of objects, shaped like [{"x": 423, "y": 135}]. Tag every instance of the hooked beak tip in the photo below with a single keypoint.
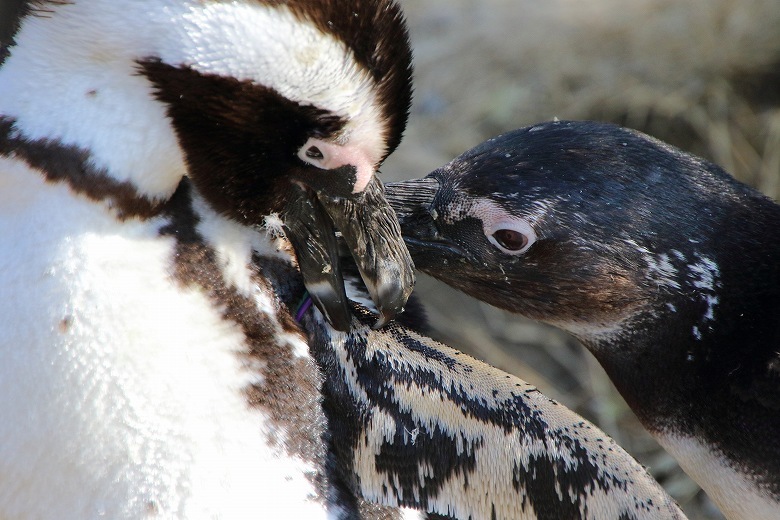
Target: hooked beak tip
[
  {"x": 384, "y": 319},
  {"x": 333, "y": 305},
  {"x": 391, "y": 298},
  {"x": 371, "y": 232}
]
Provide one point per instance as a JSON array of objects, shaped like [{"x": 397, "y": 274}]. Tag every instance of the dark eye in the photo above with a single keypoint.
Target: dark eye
[
  {"x": 314, "y": 153},
  {"x": 510, "y": 239}
]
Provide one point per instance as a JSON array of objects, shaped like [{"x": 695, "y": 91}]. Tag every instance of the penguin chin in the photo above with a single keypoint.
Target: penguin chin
[{"x": 369, "y": 229}]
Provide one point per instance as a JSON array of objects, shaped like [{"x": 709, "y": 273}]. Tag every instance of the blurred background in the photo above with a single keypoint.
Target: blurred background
[{"x": 703, "y": 75}]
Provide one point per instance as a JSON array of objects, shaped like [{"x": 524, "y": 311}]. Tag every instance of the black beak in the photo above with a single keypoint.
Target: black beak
[
  {"x": 312, "y": 236},
  {"x": 416, "y": 204},
  {"x": 370, "y": 229}
]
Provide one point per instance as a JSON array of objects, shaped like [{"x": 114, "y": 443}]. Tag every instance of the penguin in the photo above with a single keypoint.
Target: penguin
[
  {"x": 418, "y": 425},
  {"x": 664, "y": 266},
  {"x": 150, "y": 153},
  {"x": 171, "y": 174}
]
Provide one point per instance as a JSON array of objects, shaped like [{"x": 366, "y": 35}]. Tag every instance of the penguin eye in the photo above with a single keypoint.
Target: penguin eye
[
  {"x": 314, "y": 153},
  {"x": 511, "y": 236},
  {"x": 510, "y": 239}
]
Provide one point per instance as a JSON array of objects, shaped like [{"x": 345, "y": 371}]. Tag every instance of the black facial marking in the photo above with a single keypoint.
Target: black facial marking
[
  {"x": 239, "y": 138},
  {"x": 71, "y": 165},
  {"x": 337, "y": 182}
]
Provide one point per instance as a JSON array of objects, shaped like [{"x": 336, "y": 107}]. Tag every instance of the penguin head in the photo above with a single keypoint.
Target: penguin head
[
  {"x": 580, "y": 224},
  {"x": 274, "y": 106},
  {"x": 262, "y": 94},
  {"x": 294, "y": 105}
]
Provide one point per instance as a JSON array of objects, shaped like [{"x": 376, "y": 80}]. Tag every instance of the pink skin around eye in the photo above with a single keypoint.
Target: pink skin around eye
[
  {"x": 495, "y": 218},
  {"x": 335, "y": 156}
]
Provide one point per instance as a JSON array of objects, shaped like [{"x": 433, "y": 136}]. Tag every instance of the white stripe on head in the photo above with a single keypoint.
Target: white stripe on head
[
  {"x": 271, "y": 46},
  {"x": 72, "y": 76}
]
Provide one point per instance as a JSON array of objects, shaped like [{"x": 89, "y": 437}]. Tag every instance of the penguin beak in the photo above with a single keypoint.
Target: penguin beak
[
  {"x": 416, "y": 203},
  {"x": 370, "y": 229}
]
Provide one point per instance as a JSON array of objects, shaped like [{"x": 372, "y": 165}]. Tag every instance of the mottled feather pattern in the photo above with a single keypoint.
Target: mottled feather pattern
[{"x": 422, "y": 425}]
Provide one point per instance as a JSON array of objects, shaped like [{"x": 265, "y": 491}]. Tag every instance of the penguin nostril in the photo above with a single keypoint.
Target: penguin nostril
[{"x": 510, "y": 239}]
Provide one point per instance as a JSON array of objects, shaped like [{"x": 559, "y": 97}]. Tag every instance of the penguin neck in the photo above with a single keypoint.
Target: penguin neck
[
  {"x": 708, "y": 335},
  {"x": 705, "y": 392},
  {"x": 79, "y": 89}
]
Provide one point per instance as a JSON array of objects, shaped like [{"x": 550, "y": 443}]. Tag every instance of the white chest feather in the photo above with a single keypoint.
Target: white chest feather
[
  {"x": 735, "y": 494},
  {"x": 123, "y": 393}
]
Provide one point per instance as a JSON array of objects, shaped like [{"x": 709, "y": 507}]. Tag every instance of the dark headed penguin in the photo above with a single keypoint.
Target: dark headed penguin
[
  {"x": 663, "y": 265},
  {"x": 147, "y": 367}
]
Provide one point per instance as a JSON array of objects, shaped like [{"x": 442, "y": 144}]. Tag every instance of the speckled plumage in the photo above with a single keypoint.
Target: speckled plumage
[
  {"x": 664, "y": 266},
  {"x": 418, "y": 424}
]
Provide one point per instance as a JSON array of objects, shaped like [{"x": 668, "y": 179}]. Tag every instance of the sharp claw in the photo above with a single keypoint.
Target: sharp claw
[
  {"x": 311, "y": 233},
  {"x": 369, "y": 227}
]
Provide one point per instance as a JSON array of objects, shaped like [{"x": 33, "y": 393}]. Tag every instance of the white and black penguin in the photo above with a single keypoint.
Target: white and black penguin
[
  {"x": 417, "y": 424},
  {"x": 147, "y": 366},
  {"x": 664, "y": 266}
]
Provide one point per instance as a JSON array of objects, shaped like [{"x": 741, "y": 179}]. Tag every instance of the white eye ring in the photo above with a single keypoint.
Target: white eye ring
[
  {"x": 512, "y": 237},
  {"x": 315, "y": 152}
]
